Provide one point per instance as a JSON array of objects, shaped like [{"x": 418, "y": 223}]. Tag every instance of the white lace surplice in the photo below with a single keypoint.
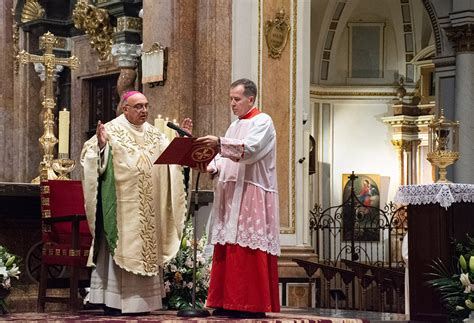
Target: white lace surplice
[{"x": 245, "y": 210}]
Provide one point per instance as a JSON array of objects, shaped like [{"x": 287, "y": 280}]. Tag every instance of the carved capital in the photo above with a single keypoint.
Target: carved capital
[
  {"x": 404, "y": 145},
  {"x": 416, "y": 143},
  {"x": 462, "y": 36},
  {"x": 126, "y": 55}
]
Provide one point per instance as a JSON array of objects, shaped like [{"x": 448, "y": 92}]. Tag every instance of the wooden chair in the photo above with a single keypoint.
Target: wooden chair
[{"x": 66, "y": 239}]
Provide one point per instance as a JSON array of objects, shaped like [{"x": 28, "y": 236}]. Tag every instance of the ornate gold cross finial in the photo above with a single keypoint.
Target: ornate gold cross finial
[{"x": 50, "y": 61}]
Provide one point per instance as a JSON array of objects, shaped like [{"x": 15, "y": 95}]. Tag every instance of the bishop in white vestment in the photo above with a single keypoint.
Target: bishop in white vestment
[{"x": 135, "y": 209}]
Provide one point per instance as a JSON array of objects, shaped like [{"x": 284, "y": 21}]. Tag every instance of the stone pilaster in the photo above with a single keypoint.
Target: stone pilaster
[{"x": 463, "y": 42}]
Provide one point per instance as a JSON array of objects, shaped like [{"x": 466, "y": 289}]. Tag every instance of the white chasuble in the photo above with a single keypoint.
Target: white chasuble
[{"x": 150, "y": 199}]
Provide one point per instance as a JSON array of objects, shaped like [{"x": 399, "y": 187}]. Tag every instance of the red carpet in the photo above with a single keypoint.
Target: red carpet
[{"x": 167, "y": 317}]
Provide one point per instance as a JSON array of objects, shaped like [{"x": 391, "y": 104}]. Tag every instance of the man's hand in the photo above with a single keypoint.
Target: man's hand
[
  {"x": 202, "y": 168},
  {"x": 208, "y": 141},
  {"x": 187, "y": 124},
  {"x": 101, "y": 134}
]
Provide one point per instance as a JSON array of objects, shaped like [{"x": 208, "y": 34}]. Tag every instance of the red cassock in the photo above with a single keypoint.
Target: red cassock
[
  {"x": 243, "y": 279},
  {"x": 244, "y": 226}
]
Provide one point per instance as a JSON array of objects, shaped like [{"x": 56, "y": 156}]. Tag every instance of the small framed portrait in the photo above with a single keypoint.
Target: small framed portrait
[{"x": 361, "y": 218}]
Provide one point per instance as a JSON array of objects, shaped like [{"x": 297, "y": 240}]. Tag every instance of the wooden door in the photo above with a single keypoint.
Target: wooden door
[{"x": 103, "y": 100}]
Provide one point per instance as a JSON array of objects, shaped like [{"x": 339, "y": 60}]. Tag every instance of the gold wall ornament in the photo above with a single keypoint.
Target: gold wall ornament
[
  {"x": 277, "y": 31},
  {"x": 96, "y": 23},
  {"x": 129, "y": 24},
  {"x": 443, "y": 144},
  {"x": 32, "y": 10},
  {"x": 48, "y": 140}
]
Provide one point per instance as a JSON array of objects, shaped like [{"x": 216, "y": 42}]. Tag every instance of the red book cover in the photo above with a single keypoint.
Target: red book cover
[{"x": 183, "y": 151}]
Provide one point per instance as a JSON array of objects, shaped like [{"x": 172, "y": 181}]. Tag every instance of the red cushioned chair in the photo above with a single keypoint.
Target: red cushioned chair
[{"x": 66, "y": 238}]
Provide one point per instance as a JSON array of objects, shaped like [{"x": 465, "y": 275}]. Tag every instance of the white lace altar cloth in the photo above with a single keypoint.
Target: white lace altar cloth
[{"x": 443, "y": 193}]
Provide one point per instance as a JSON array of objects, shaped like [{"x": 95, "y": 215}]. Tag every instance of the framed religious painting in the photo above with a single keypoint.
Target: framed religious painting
[{"x": 361, "y": 213}]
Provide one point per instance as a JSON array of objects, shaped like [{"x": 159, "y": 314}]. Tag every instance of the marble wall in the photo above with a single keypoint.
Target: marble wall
[
  {"x": 198, "y": 37},
  {"x": 277, "y": 102},
  {"x": 20, "y": 106},
  {"x": 6, "y": 92}
]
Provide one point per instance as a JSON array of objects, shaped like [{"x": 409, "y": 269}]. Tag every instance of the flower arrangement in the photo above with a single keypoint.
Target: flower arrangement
[
  {"x": 178, "y": 274},
  {"x": 455, "y": 283},
  {"x": 8, "y": 269}
]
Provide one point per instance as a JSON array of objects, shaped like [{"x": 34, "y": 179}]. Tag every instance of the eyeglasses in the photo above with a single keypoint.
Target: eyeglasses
[{"x": 139, "y": 106}]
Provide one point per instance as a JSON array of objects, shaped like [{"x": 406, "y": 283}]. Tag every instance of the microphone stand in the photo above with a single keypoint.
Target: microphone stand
[{"x": 194, "y": 312}]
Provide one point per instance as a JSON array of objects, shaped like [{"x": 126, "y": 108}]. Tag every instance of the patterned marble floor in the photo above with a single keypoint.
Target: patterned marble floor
[{"x": 286, "y": 316}]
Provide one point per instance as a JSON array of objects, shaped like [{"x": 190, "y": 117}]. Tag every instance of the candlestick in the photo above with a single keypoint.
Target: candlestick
[{"x": 63, "y": 149}]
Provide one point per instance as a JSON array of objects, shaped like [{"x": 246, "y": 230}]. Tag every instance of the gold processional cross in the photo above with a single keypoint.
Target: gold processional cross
[{"x": 48, "y": 140}]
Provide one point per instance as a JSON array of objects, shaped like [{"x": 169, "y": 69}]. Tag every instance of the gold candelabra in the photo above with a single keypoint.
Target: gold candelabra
[
  {"x": 443, "y": 144},
  {"x": 49, "y": 60},
  {"x": 63, "y": 166}
]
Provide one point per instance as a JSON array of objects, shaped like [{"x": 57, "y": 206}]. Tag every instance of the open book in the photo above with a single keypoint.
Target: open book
[{"x": 183, "y": 151}]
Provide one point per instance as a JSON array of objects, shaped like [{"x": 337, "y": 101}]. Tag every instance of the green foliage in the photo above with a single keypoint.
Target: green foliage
[
  {"x": 178, "y": 274},
  {"x": 454, "y": 282}
]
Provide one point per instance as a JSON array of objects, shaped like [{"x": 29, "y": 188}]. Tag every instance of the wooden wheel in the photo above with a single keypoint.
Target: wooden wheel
[{"x": 33, "y": 264}]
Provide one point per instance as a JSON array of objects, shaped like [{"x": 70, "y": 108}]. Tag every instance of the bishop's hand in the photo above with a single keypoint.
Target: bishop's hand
[
  {"x": 101, "y": 134},
  {"x": 187, "y": 124}
]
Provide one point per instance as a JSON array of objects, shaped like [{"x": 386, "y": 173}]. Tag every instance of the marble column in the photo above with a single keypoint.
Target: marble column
[
  {"x": 198, "y": 35},
  {"x": 126, "y": 58},
  {"x": 463, "y": 39}
]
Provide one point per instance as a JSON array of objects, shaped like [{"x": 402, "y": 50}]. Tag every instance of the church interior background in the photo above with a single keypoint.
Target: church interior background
[{"x": 351, "y": 87}]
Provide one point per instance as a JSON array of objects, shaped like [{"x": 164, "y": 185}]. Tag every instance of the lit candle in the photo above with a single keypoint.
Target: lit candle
[
  {"x": 63, "y": 150},
  {"x": 168, "y": 130},
  {"x": 160, "y": 124}
]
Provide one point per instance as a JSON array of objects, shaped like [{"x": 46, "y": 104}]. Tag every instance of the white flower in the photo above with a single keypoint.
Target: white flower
[
  {"x": 6, "y": 283},
  {"x": 167, "y": 288},
  {"x": 200, "y": 259},
  {"x": 3, "y": 270},
  {"x": 14, "y": 271},
  {"x": 173, "y": 268},
  {"x": 190, "y": 285},
  {"x": 464, "y": 278},
  {"x": 189, "y": 263}
]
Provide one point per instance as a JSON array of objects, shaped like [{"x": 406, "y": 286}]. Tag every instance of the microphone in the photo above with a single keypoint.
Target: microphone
[{"x": 181, "y": 132}]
